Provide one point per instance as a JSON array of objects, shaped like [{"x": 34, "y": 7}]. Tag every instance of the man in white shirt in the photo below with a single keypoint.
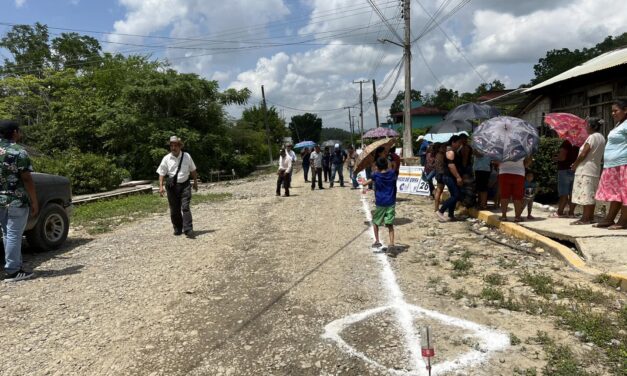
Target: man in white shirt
[
  {"x": 315, "y": 160},
  {"x": 290, "y": 153},
  {"x": 174, "y": 173},
  {"x": 284, "y": 172}
]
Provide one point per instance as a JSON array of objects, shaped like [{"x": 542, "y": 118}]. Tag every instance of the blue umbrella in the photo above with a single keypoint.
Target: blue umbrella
[
  {"x": 506, "y": 138},
  {"x": 304, "y": 144}
]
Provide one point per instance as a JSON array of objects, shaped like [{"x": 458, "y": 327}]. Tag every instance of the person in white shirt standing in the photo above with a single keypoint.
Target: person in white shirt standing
[
  {"x": 290, "y": 153},
  {"x": 174, "y": 175},
  {"x": 315, "y": 161},
  {"x": 284, "y": 172}
]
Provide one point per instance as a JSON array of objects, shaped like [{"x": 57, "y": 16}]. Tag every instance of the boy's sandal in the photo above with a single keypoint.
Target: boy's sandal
[
  {"x": 617, "y": 227},
  {"x": 518, "y": 220},
  {"x": 580, "y": 222},
  {"x": 603, "y": 224}
]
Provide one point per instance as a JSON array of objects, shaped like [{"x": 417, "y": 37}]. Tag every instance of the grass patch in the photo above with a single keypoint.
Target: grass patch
[
  {"x": 560, "y": 359},
  {"x": 104, "y": 216},
  {"x": 462, "y": 265},
  {"x": 492, "y": 294},
  {"x": 459, "y": 293},
  {"x": 583, "y": 294},
  {"x": 494, "y": 279},
  {"x": 514, "y": 340},
  {"x": 541, "y": 284}
]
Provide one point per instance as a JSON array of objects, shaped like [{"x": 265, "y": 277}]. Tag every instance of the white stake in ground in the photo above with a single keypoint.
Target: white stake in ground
[{"x": 405, "y": 314}]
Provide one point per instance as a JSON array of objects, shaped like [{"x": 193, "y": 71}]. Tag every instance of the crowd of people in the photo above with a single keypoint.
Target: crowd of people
[{"x": 594, "y": 172}]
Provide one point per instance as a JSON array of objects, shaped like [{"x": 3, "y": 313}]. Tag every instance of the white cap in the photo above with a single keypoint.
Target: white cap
[
  {"x": 337, "y": 146},
  {"x": 420, "y": 138},
  {"x": 175, "y": 139}
]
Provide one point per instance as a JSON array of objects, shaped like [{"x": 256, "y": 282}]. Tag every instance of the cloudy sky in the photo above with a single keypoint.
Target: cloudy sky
[{"x": 307, "y": 53}]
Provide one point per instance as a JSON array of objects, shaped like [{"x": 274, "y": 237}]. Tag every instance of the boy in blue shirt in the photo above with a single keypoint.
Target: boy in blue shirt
[{"x": 384, "y": 184}]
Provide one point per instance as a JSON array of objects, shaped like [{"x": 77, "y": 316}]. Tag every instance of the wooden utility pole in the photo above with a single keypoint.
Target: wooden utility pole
[
  {"x": 350, "y": 125},
  {"x": 407, "y": 141},
  {"x": 374, "y": 100},
  {"x": 361, "y": 109},
  {"x": 265, "y": 120}
]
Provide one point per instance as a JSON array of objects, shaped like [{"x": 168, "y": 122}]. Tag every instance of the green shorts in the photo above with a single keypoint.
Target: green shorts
[{"x": 384, "y": 214}]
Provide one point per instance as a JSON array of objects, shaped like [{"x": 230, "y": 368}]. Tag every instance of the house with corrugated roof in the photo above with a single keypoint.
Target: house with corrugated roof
[{"x": 585, "y": 90}]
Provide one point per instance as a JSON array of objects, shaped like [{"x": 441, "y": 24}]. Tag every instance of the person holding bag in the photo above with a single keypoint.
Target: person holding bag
[{"x": 174, "y": 173}]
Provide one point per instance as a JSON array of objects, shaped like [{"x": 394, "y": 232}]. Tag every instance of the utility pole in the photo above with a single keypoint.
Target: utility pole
[
  {"x": 265, "y": 120},
  {"x": 374, "y": 100},
  {"x": 405, "y": 43},
  {"x": 407, "y": 141},
  {"x": 353, "y": 128},
  {"x": 350, "y": 125},
  {"x": 361, "y": 108}
]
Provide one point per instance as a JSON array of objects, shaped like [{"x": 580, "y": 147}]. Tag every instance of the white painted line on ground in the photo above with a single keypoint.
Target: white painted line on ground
[{"x": 489, "y": 340}]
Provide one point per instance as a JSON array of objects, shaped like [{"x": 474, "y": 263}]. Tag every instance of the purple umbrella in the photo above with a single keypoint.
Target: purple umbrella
[
  {"x": 506, "y": 138},
  {"x": 381, "y": 132}
]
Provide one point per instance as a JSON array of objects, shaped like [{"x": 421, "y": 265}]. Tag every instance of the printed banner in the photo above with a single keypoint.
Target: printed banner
[{"x": 410, "y": 181}]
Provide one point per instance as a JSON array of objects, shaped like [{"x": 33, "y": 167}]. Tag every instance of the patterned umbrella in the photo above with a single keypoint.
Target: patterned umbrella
[
  {"x": 366, "y": 158},
  {"x": 506, "y": 138},
  {"x": 471, "y": 111},
  {"x": 568, "y": 127},
  {"x": 304, "y": 144},
  {"x": 381, "y": 132}
]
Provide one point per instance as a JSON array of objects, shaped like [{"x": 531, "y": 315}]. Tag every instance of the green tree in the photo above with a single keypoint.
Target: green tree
[
  {"x": 253, "y": 120},
  {"x": 72, "y": 50},
  {"x": 306, "y": 127},
  {"x": 29, "y": 47},
  {"x": 485, "y": 87},
  {"x": 560, "y": 60},
  {"x": 443, "y": 98},
  {"x": 336, "y": 134},
  {"x": 399, "y": 101}
]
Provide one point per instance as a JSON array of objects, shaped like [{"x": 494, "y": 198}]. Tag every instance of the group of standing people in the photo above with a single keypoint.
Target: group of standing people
[
  {"x": 328, "y": 164},
  {"x": 597, "y": 171}
]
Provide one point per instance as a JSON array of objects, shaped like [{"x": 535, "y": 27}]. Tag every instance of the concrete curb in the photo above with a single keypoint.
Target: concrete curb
[{"x": 551, "y": 245}]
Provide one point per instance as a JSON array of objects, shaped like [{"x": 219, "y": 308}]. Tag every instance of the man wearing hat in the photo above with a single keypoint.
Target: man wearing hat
[
  {"x": 17, "y": 198},
  {"x": 174, "y": 173}
]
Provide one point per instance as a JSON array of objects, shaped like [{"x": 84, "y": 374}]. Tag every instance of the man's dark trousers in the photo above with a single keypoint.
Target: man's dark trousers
[
  {"x": 316, "y": 173},
  {"x": 179, "y": 198},
  {"x": 283, "y": 179}
]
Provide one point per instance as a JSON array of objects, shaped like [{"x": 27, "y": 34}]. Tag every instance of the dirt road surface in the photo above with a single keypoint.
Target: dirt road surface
[{"x": 275, "y": 286}]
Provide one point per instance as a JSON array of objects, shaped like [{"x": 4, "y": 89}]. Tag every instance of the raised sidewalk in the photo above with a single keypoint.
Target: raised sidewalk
[{"x": 604, "y": 251}]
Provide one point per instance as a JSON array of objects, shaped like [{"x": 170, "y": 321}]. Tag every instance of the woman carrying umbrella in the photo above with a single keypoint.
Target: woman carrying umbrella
[
  {"x": 613, "y": 184},
  {"x": 587, "y": 169}
]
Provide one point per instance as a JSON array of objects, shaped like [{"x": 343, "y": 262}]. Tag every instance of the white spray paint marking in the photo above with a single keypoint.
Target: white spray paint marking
[{"x": 489, "y": 340}]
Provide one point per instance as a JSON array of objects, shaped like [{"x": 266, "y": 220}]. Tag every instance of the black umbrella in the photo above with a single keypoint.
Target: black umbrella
[
  {"x": 471, "y": 111},
  {"x": 451, "y": 126}
]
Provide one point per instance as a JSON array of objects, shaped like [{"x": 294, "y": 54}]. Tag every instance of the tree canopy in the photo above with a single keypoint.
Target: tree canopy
[
  {"x": 306, "y": 127},
  {"x": 72, "y": 97},
  {"x": 399, "y": 101},
  {"x": 560, "y": 60}
]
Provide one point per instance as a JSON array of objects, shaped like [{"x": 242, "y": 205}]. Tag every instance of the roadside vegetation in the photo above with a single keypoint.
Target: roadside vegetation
[{"x": 104, "y": 216}]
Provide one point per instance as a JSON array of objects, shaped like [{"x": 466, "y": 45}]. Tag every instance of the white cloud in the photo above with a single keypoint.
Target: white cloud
[
  {"x": 19, "y": 3},
  {"x": 503, "y": 37}
]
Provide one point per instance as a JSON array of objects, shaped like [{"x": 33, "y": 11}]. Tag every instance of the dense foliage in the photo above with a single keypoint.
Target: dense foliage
[
  {"x": 338, "y": 134},
  {"x": 306, "y": 127},
  {"x": 558, "y": 61},
  {"x": 545, "y": 168},
  {"x": 87, "y": 109}
]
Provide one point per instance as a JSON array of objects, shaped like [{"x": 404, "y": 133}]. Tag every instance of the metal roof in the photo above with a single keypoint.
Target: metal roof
[{"x": 601, "y": 62}]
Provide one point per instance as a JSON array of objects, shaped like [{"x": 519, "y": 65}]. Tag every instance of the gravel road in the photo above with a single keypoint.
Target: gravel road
[{"x": 270, "y": 286}]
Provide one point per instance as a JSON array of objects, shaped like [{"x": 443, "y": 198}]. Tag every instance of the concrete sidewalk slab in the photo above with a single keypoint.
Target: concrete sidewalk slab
[{"x": 605, "y": 251}]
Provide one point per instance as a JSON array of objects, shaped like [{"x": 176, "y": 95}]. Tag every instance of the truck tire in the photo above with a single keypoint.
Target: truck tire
[{"x": 51, "y": 229}]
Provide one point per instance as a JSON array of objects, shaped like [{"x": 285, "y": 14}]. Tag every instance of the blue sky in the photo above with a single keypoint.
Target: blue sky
[{"x": 307, "y": 52}]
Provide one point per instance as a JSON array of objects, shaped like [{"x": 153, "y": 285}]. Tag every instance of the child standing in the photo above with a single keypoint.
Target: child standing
[
  {"x": 531, "y": 188},
  {"x": 384, "y": 180}
]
